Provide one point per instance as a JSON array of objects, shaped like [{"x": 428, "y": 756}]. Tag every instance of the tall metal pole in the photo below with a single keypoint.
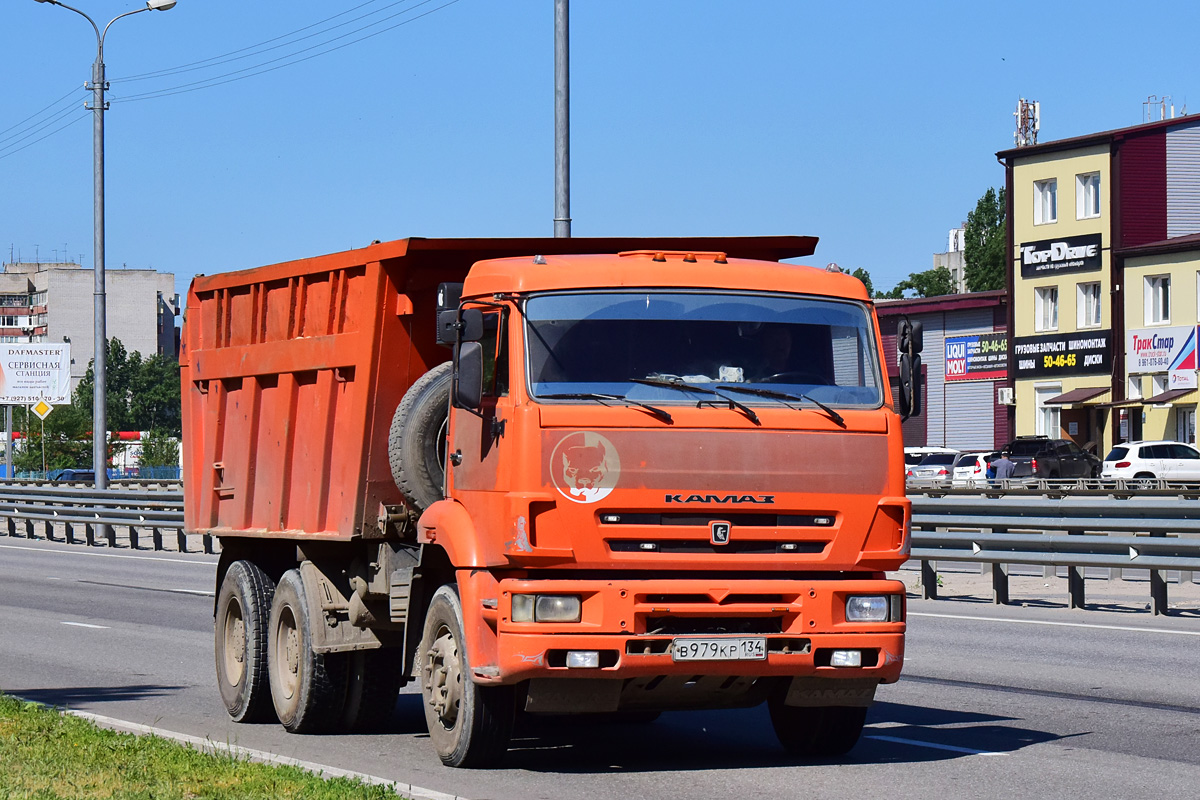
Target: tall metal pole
[
  {"x": 99, "y": 330},
  {"x": 562, "y": 123}
]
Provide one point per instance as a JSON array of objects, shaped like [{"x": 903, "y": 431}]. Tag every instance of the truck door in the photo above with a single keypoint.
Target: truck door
[{"x": 477, "y": 453}]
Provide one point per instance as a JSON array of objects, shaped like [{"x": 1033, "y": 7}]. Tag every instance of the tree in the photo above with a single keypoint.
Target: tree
[
  {"x": 159, "y": 450},
  {"x": 67, "y": 439},
  {"x": 865, "y": 277},
  {"x": 143, "y": 394},
  {"x": 930, "y": 283},
  {"x": 984, "y": 243}
]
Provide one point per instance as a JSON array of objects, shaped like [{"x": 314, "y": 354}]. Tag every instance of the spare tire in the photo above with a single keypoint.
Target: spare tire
[{"x": 417, "y": 440}]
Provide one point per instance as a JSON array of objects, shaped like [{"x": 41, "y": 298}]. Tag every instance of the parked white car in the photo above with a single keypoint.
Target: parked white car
[
  {"x": 934, "y": 469},
  {"x": 914, "y": 455},
  {"x": 971, "y": 468},
  {"x": 1147, "y": 461}
]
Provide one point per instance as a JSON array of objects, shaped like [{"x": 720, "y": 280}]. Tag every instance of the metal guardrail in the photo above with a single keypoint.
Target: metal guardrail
[
  {"x": 72, "y": 510},
  {"x": 1156, "y": 532}
]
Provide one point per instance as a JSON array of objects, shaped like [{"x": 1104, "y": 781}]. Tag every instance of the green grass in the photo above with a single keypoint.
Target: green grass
[{"x": 45, "y": 754}]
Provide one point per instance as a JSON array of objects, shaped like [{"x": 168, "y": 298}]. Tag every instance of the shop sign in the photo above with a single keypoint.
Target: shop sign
[
  {"x": 982, "y": 357},
  {"x": 33, "y": 372},
  {"x": 1064, "y": 354},
  {"x": 1171, "y": 350},
  {"x": 1050, "y": 257}
]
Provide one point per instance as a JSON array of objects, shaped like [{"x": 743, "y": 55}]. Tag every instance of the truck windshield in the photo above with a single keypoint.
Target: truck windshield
[{"x": 606, "y": 342}]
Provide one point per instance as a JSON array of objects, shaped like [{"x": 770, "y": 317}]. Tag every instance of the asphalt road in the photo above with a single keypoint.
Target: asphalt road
[{"x": 1016, "y": 702}]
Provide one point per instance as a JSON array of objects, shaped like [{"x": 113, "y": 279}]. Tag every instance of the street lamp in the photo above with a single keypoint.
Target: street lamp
[{"x": 99, "y": 359}]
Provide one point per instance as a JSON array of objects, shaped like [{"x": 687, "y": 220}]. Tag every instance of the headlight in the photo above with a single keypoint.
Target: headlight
[
  {"x": 867, "y": 609},
  {"x": 546, "y": 608}
]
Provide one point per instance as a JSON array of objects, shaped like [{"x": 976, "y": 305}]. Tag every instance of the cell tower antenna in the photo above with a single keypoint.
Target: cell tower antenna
[{"x": 1029, "y": 122}]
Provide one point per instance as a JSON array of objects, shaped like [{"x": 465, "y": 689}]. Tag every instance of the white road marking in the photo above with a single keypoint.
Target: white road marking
[
  {"x": 208, "y": 745},
  {"x": 950, "y": 747},
  {"x": 85, "y": 625},
  {"x": 87, "y": 551},
  {"x": 1056, "y": 624}
]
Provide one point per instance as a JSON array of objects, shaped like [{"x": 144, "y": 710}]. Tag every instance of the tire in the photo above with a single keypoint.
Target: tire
[
  {"x": 816, "y": 732},
  {"x": 240, "y": 642},
  {"x": 469, "y": 725},
  {"x": 308, "y": 689},
  {"x": 417, "y": 439},
  {"x": 373, "y": 680},
  {"x": 1144, "y": 480}
]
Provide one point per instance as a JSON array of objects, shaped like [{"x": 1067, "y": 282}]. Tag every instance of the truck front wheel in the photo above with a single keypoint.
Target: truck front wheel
[
  {"x": 240, "y": 642},
  {"x": 469, "y": 725},
  {"x": 308, "y": 689},
  {"x": 816, "y": 732}
]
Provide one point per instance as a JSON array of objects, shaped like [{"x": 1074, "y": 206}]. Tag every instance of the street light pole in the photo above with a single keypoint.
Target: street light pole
[{"x": 99, "y": 331}]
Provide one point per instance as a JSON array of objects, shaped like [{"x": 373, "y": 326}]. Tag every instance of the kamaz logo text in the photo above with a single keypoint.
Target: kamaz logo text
[{"x": 731, "y": 499}]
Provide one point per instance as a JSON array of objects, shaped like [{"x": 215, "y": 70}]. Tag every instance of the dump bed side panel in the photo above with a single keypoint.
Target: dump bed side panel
[{"x": 277, "y": 385}]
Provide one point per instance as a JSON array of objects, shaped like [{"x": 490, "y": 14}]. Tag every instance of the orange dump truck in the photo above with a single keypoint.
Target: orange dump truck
[{"x": 548, "y": 476}]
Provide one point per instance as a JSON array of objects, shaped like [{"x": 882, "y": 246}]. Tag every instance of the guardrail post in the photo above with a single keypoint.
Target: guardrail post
[
  {"x": 209, "y": 547},
  {"x": 69, "y": 532},
  {"x": 181, "y": 540},
  {"x": 110, "y": 534},
  {"x": 1185, "y": 577},
  {"x": 1158, "y": 591},
  {"x": 29, "y": 529},
  {"x": 1000, "y": 584},
  {"x": 48, "y": 529},
  {"x": 929, "y": 580},
  {"x": 1075, "y": 589},
  {"x": 12, "y": 526},
  {"x": 156, "y": 536},
  {"x": 89, "y": 534},
  {"x": 133, "y": 538}
]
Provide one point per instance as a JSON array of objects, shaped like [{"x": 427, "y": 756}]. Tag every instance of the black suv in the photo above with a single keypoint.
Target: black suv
[{"x": 1042, "y": 457}]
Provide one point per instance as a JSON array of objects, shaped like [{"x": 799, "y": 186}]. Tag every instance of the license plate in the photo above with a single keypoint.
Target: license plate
[{"x": 723, "y": 649}]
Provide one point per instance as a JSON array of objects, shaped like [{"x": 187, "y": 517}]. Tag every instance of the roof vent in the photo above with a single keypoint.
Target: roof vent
[{"x": 539, "y": 259}]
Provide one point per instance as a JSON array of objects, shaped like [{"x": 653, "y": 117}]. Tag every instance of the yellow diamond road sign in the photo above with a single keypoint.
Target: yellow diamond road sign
[{"x": 42, "y": 409}]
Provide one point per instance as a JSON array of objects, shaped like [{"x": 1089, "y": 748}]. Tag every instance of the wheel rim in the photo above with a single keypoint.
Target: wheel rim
[
  {"x": 234, "y": 643},
  {"x": 443, "y": 678},
  {"x": 287, "y": 652}
]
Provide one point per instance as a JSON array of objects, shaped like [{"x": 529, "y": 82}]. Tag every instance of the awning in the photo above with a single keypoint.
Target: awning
[
  {"x": 1077, "y": 396},
  {"x": 1178, "y": 397}
]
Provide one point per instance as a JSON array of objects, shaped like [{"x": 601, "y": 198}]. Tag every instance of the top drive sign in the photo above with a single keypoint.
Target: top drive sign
[
  {"x": 33, "y": 372},
  {"x": 1056, "y": 256}
]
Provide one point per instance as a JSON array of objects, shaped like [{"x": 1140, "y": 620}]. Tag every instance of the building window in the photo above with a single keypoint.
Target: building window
[
  {"x": 1160, "y": 383},
  {"x": 1157, "y": 296},
  {"x": 1087, "y": 195},
  {"x": 1185, "y": 424},
  {"x": 1088, "y": 305},
  {"x": 1046, "y": 308},
  {"x": 1045, "y": 201},
  {"x": 1047, "y": 416},
  {"x": 1133, "y": 389},
  {"x": 8, "y": 321}
]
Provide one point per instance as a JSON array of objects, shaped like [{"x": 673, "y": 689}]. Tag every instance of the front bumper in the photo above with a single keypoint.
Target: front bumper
[{"x": 633, "y": 625}]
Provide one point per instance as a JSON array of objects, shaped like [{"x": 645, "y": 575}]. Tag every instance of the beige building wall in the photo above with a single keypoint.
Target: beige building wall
[
  {"x": 1064, "y": 167},
  {"x": 1161, "y": 422}
]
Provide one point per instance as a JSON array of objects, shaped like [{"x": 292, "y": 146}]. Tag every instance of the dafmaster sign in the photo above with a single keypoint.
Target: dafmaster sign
[{"x": 35, "y": 373}]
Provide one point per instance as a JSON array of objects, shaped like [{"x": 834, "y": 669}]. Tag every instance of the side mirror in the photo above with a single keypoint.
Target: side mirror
[
  {"x": 909, "y": 401},
  {"x": 911, "y": 337},
  {"x": 453, "y": 328},
  {"x": 468, "y": 376}
]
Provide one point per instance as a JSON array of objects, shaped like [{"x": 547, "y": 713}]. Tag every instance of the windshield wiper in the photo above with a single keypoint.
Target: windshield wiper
[
  {"x": 615, "y": 398},
  {"x": 835, "y": 416},
  {"x": 684, "y": 386}
]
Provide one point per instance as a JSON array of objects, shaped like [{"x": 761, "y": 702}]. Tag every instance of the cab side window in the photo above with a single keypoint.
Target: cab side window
[{"x": 495, "y": 352}]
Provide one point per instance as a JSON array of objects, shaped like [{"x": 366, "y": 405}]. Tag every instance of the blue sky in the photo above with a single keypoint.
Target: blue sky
[{"x": 871, "y": 125}]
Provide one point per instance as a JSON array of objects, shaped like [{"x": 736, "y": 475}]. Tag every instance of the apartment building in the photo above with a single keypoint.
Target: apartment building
[
  {"x": 1103, "y": 280},
  {"x": 53, "y": 302}
]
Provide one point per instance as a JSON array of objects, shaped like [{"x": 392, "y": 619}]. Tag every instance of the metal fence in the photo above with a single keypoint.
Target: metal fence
[
  {"x": 1071, "y": 526},
  {"x": 141, "y": 513},
  {"x": 1155, "y": 531}
]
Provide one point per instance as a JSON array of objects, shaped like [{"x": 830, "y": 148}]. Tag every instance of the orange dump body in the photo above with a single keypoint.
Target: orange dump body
[{"x": 291, "y": 375}]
